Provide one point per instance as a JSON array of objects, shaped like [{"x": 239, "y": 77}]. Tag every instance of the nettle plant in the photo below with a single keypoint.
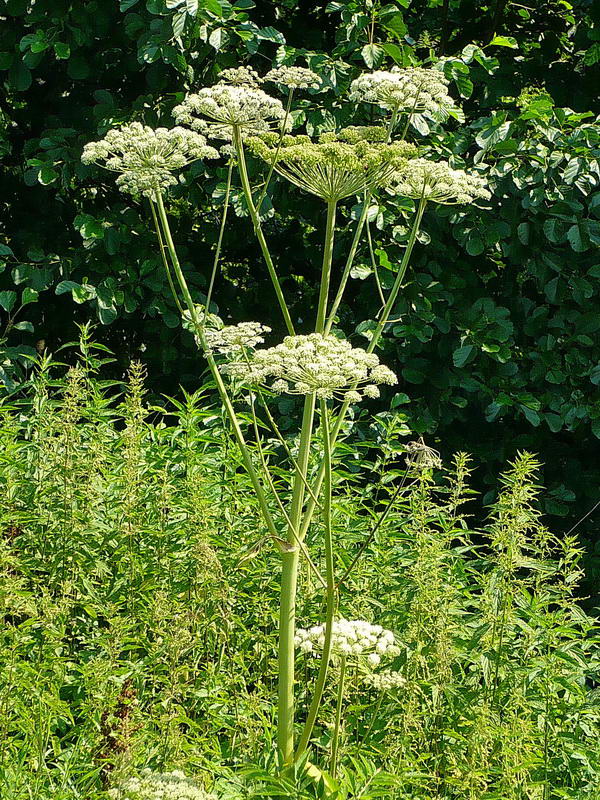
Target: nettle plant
[{"x": 330, "y": 373}]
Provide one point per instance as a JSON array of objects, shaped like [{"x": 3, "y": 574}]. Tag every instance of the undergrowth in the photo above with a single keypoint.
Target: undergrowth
[{"x": 139, "y": 602}]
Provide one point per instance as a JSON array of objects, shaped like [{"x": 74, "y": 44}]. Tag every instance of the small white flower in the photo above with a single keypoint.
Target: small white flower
[
  {"x": 215, "y": 110},
  {"x": 437, "y": 182},
  {"x": 159, "y": 786},
  {"x": 350, "y": 637},
  {"x": 147, "y": 157},
  {"x": 240, "y": 76},
  {"x": 411, "y": 89},
  {"x": 235, "y": 338},
  {"x": 294, "y": 77},
  {"x": 326, "y": 365},
  {"x": 384, "y": 681}
]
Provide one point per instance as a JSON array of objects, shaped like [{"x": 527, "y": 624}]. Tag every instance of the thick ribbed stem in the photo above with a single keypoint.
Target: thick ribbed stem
[
  {"x": 326, "y": 268},
  {"x": 335, "y": 742},
  {"x": 255, "y": 216},
  {"x": 385, "y": 315},
  {"x": 331, "y": 592}
]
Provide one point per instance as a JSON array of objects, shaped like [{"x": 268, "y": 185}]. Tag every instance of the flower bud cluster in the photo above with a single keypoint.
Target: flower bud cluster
[
  {"x": 146, "y": 157},
  {"x": 294, "y": 78},
  {"x": 384, "y": 681},
  {"x": 233, "y": 338},
  {"x": 326, "y": 365},
  {"x": 215, "y": 110},
  {"x": 353, "y": 637},
  {"x": 412, "y": 89},
  {"x": 437, "y": 182},
  {"x": 240, "y": 76},
  {"x": 159, "y": 786},
  {"x": 338, "y": 165}
]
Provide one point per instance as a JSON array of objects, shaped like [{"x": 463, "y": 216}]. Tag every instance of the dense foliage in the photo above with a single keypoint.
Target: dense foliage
[
  {"x": 138, "y": 602},
  {"x": 497, "y": 345}
]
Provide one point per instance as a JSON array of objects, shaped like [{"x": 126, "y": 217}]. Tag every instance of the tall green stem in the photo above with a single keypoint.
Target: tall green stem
[
  {"x": 385, "y": 315},
  {"x": 289, "y": 577},
  {"x": 221, "y": 388},
  {"x": 335, "y": 742},
  {"x": 326, "y": 268},
  {"x": 255, "y": 216},
  {"x": 330, "y": 592},
  {"x": 213, "y": 274}
]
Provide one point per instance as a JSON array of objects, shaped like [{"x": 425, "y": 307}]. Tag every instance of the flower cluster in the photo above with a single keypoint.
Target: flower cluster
[
  {"x": 294, "y": 78},
  {"x": 437, "y": 182},
  {"x": 412, "y": 89},
  {"x": 159, "y": 786},
  {"x": 326, "y": 365},
  {"x": 353, "y": 637},
  {"x": 338, "y": 165},
  {"x": 233, "y": 338},
  {"x": 146, "y": 157},
  {"x": 215, "y": 110},
  {"x": 240, "y": 76},
  {"x": 384, "y": 681}
]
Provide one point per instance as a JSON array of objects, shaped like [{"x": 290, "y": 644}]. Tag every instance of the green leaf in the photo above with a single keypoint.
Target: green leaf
[
  {"x": 24, "y": 325},
  {"x": 462, "y": 354},
  {"x": 7, "y": 300},
  {"x": 78, "y": 68},
  {"x": 504, "y": 41},
  {"x": 29, "y": 296},
  {"x": 372, "y": 55},
  {"x": 577, "y": 239},
  {"x": 89, "y": 227},
  {"x": 62, "y": 50},
  {"x": 19, "y": 77},
  {"x": 125, "y": 5}
]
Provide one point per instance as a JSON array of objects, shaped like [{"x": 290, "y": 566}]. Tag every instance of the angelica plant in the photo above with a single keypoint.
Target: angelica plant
[{"x": 322, "y": 366}]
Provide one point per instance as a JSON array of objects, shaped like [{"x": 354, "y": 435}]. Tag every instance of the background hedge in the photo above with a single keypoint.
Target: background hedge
[{"x": 498, "y": 344}]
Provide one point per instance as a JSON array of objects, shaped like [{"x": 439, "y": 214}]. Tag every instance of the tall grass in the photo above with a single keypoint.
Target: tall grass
[{"x": 139, "y": 601}]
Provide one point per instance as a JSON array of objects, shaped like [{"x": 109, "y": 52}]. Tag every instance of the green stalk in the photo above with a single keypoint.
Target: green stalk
[
  {"x": 326, "y": 268},
  {"x": 385, "y": 315},
  {"x": 287, "y": 603},
  {"x": 163, "y": 254},
  {"x": 224, "y": 395},
  {"x": 349, "y": 262},
  {"x": 335, "y": 742},
  {"x": 213, "y": 274},
  {"x": 239, "y": 148},
  {"x": 330, "y": 594},
  {"x": 289, "y": 577},
  {"x": 288, "y": 107}
]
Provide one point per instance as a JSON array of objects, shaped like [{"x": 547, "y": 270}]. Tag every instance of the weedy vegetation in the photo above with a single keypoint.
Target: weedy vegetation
[{"x": 201, "y": 604}]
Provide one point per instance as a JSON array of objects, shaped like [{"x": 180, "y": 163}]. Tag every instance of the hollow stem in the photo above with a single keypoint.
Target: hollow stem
[
  {"x": 385, "y": 315},
  {"x": 255, "y": 216},
  {"x": 335, "y": 742},
  {"x": 315, "y": 703},
  {"x": 326, "y": 267}
]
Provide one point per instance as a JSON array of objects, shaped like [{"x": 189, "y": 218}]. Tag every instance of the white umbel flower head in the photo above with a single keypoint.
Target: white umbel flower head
[
  {"x": 412, "y": 89},
  {"x": 159, "y": 786},
  {"x": 385, "y": 681},
  {"x": 294, "y": 78},
  {"x": 215, "y": 110},
  {"x": 240, "y": 76},
  {"x": 147, "y": 157},
  {"x": 326, "y": 365},
  {"x": 353, "y": 637},
  {"x": 231, "y": 339},
  {"x": 437, "y": 182}
]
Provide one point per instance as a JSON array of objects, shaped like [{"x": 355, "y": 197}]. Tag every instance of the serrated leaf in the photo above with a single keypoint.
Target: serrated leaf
[{"x": 29, "y": 296}]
